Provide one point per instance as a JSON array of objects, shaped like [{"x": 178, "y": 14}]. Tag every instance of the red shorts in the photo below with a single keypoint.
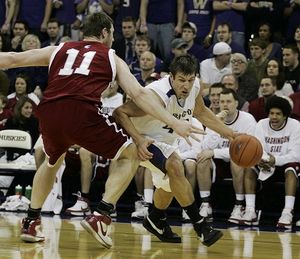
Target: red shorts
[{"x": 66, "y": 122}]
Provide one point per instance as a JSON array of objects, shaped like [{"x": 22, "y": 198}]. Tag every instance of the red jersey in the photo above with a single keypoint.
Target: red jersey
[{"x": 80, "y": 70}]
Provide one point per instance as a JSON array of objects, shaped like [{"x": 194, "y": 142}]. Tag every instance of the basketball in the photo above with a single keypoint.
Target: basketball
[{"x": 245, "y": 150}]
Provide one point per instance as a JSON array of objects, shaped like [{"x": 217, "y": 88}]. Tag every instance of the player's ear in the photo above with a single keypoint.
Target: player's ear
[
  {"x": 103, "y": 33},
  {"x": 172, "y": 77}
]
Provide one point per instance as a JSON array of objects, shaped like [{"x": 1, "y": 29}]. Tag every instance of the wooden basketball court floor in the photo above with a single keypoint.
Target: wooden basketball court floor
[{"x": 65, "y": 238}]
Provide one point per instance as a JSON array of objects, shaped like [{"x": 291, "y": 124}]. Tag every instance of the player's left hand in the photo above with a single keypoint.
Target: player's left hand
[{"x": 143, "y": 151}]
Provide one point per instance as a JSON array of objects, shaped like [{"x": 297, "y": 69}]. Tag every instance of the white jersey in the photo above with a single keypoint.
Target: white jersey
[
  {"x": 187, "y": 151},
  {"x": 153, "y": 128},
  {"x": 243, "y": 123},
  {"x": 283, "y": 144},
  {"x": 109, "y": 104}
]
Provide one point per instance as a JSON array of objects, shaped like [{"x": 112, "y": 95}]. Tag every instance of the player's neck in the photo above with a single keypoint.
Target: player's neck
[{"x": 93, "y": 39}]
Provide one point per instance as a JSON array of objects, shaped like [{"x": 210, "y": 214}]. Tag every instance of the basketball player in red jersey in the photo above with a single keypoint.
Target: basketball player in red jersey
[{"x": 70, "y": 113}]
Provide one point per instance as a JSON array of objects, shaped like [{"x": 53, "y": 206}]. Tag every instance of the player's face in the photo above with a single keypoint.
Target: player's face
[
  {"x": 20, "y": 86},
  {"x": 182, "y": 84},
  {"x": 277, "y": 119},
  {"x": 26, "y": 110},
  {"x": 228, "y": 103}
]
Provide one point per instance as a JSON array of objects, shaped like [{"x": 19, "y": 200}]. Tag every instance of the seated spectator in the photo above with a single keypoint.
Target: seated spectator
[
  {"x": 215, "y": 150},
  {"x": 229, "y": 81},
  {"x": 291, "y": 64},
  {"x": 248, "y": 86},
  {"x": 273, "y": 49},
  {"x": 4, "y": 113},
  {"x": 189, "y": 32},
  {"x": 214, "y": 97},
  {"x": 147, "y": 65},
  {"x": 22, "y": 119},
  {"x": 142, "y": 44},
  {"x": 280, "y": 137},
  {"x": 19, "y": 31},
  {"x": 22, "y": 88},
  {"x": 53, "y": 33},
  {"x": 258, "y": 62},
  {"x": 257, "y": 106},
  {"x": 213, "y": 69},
  {"x": 178, "y": 48},
  {"x": 125, "y": 47},
  {"x": 275, "y": 69},
  {"x": 224, "y": 34}
]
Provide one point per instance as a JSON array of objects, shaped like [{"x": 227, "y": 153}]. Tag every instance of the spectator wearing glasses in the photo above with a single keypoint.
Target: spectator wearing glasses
[{"x": 248, "y": 86}]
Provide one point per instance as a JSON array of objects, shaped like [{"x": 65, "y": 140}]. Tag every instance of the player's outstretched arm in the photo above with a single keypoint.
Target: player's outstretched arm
[
  {"x": 149, "y": 102},
  {"x": 29, "y": 58}
]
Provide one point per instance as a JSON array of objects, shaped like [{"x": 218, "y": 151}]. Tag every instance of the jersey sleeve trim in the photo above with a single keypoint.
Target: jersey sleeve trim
[
  {"x": 112, "y": 62},
  {"x": 54, "y": 54}
]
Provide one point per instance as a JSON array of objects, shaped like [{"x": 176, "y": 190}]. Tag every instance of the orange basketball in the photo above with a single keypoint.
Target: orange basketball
[{"x": 245, "y": 150}]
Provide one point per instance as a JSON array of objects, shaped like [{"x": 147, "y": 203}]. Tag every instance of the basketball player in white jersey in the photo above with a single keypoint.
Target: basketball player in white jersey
[
  {"x": 180, "y": 94},
  {"x": 280, "y": 137},
  {"x": 214, "y": 159}
]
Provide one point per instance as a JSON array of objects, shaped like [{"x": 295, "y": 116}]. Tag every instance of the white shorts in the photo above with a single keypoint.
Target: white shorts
[{"x": 159, "y": 178}]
